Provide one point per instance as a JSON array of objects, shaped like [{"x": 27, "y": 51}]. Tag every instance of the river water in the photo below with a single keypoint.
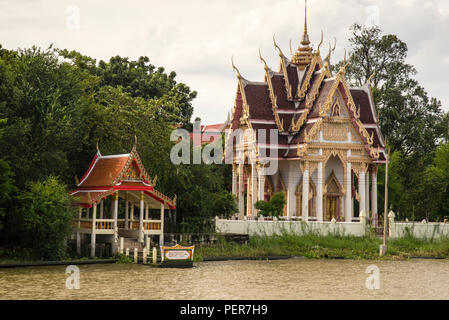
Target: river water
[{"x": 295, "y": 278}]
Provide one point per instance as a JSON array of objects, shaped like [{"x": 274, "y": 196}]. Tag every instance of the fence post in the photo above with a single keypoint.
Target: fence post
[
  {"x": 144, "y": 256},
  {"x": 147, "y": 242},
  {"x": 154, "y": 255},
  {"x": 135, "y": 255},
  {"x": 391, "y": 216},
  {"x": 122, "y": 241},
  {"x": 127, "y": 252}
]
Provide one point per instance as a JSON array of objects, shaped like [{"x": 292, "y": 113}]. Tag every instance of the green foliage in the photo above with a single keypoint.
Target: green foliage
[
  {"x": 274, "y": 207},
  {"x": 47, "y": 215},
  {"x": 413, "y": 123}
]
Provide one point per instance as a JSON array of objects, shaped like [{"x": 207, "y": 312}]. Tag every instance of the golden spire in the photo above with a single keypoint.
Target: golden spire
[{"x": 303, "y": 55}]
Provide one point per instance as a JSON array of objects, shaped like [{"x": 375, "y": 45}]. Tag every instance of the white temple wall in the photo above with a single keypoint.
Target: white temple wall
[{"x": 268, "y": 228}]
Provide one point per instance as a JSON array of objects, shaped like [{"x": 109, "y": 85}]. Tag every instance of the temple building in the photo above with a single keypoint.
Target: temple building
[
  {"x": 118, "y": 178},
  {"x": 328, "y": 143}
]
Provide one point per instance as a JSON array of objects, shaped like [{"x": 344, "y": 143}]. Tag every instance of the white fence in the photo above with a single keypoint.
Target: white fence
[
  {"x": 431, "y": 230},
  {"x": 262, "y": 227}
]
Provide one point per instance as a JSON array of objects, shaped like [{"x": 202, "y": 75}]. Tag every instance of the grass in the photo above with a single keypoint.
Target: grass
[{"x": 315, "y": 246}]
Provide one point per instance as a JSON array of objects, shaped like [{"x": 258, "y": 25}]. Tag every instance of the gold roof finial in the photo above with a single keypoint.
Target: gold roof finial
[
  {"x": 303, "y": 55},
  {"x": 344, "y": 65},
  {"x": 319, "y": 45},
  {"x": 239, "y": 76},
  {"x": 281, "y": 54},
  {"x": 263, "y": 60}
]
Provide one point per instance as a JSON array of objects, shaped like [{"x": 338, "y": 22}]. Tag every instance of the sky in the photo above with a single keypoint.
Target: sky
[{"x": 197, "y": 38}]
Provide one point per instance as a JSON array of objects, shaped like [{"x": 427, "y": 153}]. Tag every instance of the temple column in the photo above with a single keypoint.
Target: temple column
[
  {"x": 78, "y": 235},
  {"x": 234, "y": 180},
  {"x": 305, "y": 192},
  {"x": 374, "y": 196},
  {"x": 261, "y": 184},
  {"x": 93, "y": 231},
  {"x": 161, "y": 237},
  {"x": 142, "y": 209},
  {"x": 319, "y": 193},
  {"x": 253, "y": 189},
  {"x": 362, "y": 205},
  {"x": 348, "y": 197},
  {"x": 248, "y": 195},
  {"x": 367, "y": 195},
  {"x": 241, "y": 193},
  {"x": 101, "y": 208},
  {"x": 126, "y": 211}
]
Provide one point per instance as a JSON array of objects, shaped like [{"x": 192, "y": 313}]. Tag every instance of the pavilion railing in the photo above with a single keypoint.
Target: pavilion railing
[{"x": 104, "y": 224}]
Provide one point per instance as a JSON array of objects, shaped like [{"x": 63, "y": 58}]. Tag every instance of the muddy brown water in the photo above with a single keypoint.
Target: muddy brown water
[{"x": 279, "y": 279}]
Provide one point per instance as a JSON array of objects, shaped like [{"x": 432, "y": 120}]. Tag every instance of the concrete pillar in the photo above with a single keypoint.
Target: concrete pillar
[
  {"x": 305, "y": 193},
  {"x": 78, "y": 243},
  {"x": 80, "y": 214},
  {"x": 144, "y": 256},
  {"x": 367, "y": 195},
  {"x": 161, "y": 237},
  {"x": 253, "y": 189},
  {"x": 115, "y": 209},
  {"x": 348, "y": 197},
  {"x": 374, "y": 196},
  {"x": 126, "y": 211},
  {"x": 127, "y": 252},
  {"x": 147, "y": 242},
  {"x": 362, "y": 195},
  {"x": 241, "y": 193},
  {"x": 154, "y": 256},
  {"x": 135, "y": 255},
  {"x": 132, "y": 215},
  {"x": 115, "y": 216},
  {"x": 93, "y": 233},
  {"x": 261, "y": 185},
  {"x": 146, "y": 210},
  {"x": 122, "y": 244},
  {"x": 234, "y": 180},
  {"x": 248, "y": 195},
  {"x": 319, "y": 193},
  {"x": 142, "y": 209},
  {"x": 101, "y": 208}
]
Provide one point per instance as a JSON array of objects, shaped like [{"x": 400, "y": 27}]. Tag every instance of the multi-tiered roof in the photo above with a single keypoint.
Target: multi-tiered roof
[{"x": 296, "y": 99}]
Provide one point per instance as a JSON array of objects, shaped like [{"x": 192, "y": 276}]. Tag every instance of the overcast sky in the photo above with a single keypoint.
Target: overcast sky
[{"x": 197, "y": 38}]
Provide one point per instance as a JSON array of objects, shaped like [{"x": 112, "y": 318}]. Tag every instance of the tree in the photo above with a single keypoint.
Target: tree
[
  {"x": 411, "y": 120},
  {"x": 274, "y": 207},
  {"x": 47, "y": 214},
  {"x": 413, "y": 124}
]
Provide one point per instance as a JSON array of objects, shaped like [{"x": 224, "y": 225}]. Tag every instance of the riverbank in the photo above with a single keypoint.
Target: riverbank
[{"x": 331, "y": 246}]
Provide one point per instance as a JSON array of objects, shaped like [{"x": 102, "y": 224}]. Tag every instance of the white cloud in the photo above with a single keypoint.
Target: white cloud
[{"x": 197, "y": 38}]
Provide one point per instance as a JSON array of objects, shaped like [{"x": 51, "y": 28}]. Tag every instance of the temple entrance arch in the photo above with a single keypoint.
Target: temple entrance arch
[{"x": 333, "y": 199}]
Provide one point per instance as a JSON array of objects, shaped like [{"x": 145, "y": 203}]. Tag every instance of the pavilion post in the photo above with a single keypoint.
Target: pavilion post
[
  {"x": 101, "y": 209},
  {"x": 126, "y": 211},
  {"x": 142, "y": 208},
  {"x": 93, "y": 233},
  {"x": 80, "y": 214},
  {"x": 115, "y": 240},
  {"x": 132, "y": 215},
  {"x": 161, "y": 238},
  {"x": 146, "y": 210}
]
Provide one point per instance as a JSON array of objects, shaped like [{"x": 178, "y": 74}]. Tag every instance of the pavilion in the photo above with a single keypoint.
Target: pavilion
[{"x": 120, "y": 176}]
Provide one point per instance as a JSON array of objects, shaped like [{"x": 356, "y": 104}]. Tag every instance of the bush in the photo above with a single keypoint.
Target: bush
[
  {"x": 47, "y": 217},
  {"x": 274, "y": 207}
]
